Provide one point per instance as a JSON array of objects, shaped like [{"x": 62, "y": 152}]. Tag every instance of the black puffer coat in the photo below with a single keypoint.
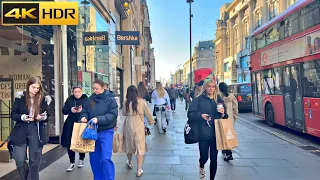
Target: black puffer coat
[
  {"x": 72, "y": 118},
  {"x": 204, "y": 105}
]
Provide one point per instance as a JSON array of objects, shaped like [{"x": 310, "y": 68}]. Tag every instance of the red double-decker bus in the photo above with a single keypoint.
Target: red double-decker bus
[{"x": 285, "y": 68}]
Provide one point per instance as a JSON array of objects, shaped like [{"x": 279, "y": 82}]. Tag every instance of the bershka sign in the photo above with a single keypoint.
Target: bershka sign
[
  {"x": 95, "y": 38},
  {"x": 127, "y": 38}
]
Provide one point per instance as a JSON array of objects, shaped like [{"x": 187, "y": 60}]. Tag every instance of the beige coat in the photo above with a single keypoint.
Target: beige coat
[
  {"x": 231, "y": 103},
  {"x": 133, "y": 128}
]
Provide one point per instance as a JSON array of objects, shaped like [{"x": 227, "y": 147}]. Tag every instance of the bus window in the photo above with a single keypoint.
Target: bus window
[{"x": 311, "y": 79}]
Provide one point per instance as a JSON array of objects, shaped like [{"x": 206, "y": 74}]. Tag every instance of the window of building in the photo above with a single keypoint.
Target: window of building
[
  {"x": 202, "y": 48},
  {"x": 236, "y": 34},
  {"x": 244, "y": 62},
  {"x": 247, "y": 43},
  {"x": 311, "y": 79},
  {"x": 245, "y": 28},
  {"x": 226, "y": 67},
  {"x": 258, "y": 20},
  {"x": 290, "y": 2},
  {"x": 273, "y": 9},
  {"x": 211, "y": 47}
]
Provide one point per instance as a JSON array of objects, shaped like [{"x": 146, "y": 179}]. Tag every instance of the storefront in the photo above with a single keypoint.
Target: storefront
[{"x": 243, "y": 71}]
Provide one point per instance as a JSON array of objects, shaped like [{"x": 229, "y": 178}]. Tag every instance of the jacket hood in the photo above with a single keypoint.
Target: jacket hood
[
  {"x": 47, "y": 98},
  {"x": 228, "y": 99}
]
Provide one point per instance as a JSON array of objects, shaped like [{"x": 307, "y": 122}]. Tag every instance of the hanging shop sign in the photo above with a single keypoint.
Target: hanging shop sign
[
  {"x": 127, "y": 38},
  {"x": 95, "y": 38}
]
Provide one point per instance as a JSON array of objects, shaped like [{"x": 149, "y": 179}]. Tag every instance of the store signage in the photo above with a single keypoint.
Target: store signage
[
  {"x": 39, "y": 13},
  {"x": 127, "y": 38},
  {"x": 95, "y": 38}
]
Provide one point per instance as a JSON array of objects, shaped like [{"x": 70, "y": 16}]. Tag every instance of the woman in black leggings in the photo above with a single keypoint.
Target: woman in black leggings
[{"x": 202, "y": 111}]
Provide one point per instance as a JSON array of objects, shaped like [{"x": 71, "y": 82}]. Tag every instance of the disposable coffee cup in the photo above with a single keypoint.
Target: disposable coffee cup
[{"x": 219, "y": 106}]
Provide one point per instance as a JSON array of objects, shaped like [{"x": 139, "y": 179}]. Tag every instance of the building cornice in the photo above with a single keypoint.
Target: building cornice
[{"x": 233, "y": 5}]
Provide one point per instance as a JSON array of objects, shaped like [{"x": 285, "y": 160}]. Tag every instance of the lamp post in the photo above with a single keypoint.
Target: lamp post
[{"x": 190, "y": 16}]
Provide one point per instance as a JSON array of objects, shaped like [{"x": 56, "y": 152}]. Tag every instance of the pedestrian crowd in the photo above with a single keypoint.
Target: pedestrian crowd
[{"x": 105, "y": 134}]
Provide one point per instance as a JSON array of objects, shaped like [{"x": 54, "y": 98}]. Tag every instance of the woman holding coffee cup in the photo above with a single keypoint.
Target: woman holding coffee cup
[{"x": 202, "y": 111}]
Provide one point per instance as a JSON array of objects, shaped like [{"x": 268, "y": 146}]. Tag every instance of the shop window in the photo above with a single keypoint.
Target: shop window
[
  {"x": 310, "y": 15},
  {"x": 311, "y": 79}
]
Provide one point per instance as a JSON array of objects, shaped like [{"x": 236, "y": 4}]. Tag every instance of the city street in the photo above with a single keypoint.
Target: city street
[{"x": 260, "y": 156}]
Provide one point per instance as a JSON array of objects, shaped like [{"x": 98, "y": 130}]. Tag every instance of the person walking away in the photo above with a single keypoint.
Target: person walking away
[
  {"x": 173, "y": 94},
  {"x": 231, "y": 103},
  {"x": 160, "y": 99},
  {"x": 143, "y": 93},
  {"x": 102, "y": 109},
  {"x": 187, "y": 99},
  {"x": 181, "y": 95},
  {"x": 203, "y": 110},
  {"x": 72, "y": 107},
  {"x": 29, "y": 110},
  {"x": 135, "y": 109}
]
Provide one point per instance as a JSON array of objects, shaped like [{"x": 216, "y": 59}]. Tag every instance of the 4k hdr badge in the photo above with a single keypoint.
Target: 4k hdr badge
[{"x": 39, "y": 13}]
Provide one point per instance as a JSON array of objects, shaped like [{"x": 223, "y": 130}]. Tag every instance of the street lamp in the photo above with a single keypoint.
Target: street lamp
[{"x": 190, "y": 16}]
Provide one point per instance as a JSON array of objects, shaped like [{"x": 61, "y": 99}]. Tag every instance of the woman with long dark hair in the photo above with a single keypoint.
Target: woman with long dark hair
[
  {"x": 231, "y": 103},
  {"x": 72, "y": 107},
  {"x": 203, "y": 110},
  {"x": 102, "y": 109},
  {"x": 30, "y": 113},
  {"x": 135, "y": 109},
  {"x": 143, "y": 92}
]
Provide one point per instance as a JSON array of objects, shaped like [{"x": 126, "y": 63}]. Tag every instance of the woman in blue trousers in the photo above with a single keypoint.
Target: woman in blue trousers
[{"x": 102, "y": 108}]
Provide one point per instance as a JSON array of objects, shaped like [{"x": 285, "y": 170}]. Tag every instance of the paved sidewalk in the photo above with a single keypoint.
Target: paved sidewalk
[{"x": 260, "y": 156}]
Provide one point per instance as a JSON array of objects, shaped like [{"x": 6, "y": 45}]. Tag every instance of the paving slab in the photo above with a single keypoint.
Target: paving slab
[{"x": 260, "y": 156}]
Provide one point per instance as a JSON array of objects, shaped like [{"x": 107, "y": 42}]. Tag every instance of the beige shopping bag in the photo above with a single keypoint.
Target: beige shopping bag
[
  {"x": 226, "y": 138},
  {"x": 78, "y": 144}
]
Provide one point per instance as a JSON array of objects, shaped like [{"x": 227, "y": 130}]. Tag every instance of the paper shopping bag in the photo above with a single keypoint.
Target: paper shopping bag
[
  {"x": 78, "y": 144},
  {"x": 227, "y": 138}
]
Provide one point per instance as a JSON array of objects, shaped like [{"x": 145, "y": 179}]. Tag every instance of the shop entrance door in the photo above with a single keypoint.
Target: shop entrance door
[{"x": 6, "y": 102}]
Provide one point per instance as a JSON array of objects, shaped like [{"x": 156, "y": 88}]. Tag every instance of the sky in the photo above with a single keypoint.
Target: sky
[{"x": 170, "y": 30}]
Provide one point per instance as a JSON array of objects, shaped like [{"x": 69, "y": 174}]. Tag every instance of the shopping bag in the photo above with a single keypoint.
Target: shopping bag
[
  {"x": 226, "y": 138},
  {"x": 91, "y": 131},
  {"x": 78, "y": 144}
]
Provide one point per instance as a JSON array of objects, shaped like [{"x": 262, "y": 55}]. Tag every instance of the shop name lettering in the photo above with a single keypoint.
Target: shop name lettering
[
  {"x": 127, "y": 38},
  {"x": 95, "y": 38},
  {"x": 85, "y": 146}
]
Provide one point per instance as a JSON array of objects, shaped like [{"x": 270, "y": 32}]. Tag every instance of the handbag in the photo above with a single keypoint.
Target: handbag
[
  {"x": 146, "y": 129},
  {"x": 91, "y": 131},
  {"x": 191, "y": 133}
]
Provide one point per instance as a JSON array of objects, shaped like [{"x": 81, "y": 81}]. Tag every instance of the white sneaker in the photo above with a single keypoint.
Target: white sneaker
[
  {"x": 202, "y": 174},
  {"x": 129, "y": 165},
  {"x": 80, "y": 164},
  {"x": 71, "y": 167}
]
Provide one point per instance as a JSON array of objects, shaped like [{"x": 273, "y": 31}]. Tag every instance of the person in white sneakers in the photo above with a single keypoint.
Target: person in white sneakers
[
  {"x": 72, "y": 107},
  {"x": 203, "y": 110}
]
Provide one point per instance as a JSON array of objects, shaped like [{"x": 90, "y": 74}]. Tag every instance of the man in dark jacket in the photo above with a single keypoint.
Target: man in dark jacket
[
  {"x": 173, "y": 94},
  {"x": 72, "y": 107}
]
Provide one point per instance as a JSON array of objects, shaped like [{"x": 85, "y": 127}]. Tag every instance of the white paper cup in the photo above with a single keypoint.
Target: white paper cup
[{"x": 219, "y": 106}]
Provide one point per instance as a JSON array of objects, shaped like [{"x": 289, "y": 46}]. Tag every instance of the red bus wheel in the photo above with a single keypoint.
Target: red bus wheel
[{"x": 270, "y": 115}]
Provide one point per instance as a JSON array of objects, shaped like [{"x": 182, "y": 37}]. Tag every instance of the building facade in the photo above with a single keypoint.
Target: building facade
[
  {"x": 205, "y": 55},
  {"x": 237, "y": 22}
]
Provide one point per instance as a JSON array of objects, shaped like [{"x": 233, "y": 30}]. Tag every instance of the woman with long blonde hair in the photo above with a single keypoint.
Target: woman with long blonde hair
[
  {"x": 161, "y": 101},
  {"x": 202, "y": 112}
]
